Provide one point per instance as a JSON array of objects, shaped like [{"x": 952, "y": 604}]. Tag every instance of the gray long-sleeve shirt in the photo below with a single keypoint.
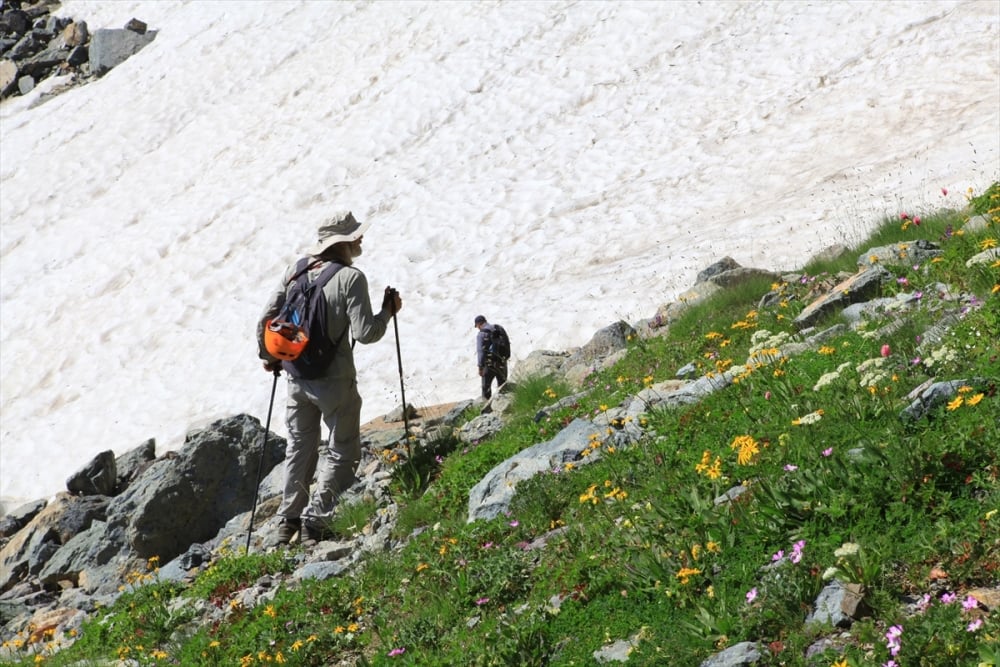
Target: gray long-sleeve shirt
[
  {"x": 348, "y": 305},
  {"x": 483, "y": 345}
]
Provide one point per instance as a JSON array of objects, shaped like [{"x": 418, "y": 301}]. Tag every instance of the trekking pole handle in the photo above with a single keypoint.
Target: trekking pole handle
[{"x": 391, "y": 298}]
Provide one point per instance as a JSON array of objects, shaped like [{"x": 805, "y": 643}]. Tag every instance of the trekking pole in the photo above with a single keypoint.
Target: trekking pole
[
  {"x": 260, "y": 466},
  {"x": 402, "y": 389}
]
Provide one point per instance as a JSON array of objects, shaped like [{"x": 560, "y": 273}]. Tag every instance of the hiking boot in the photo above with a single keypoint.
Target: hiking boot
[
  {"x": 287, "y": 529},
  {"x": 315, "y": 534}
]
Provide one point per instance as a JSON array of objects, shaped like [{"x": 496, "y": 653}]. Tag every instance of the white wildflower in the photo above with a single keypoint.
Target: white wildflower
[
  {"x": 826, "y": 379},
  {"x": 810, "y": 418},
  {"x": 847, "y": 549},
  {"x": 763, "y": 340}
]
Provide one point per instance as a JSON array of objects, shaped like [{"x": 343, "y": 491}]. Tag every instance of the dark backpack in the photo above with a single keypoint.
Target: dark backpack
[
  {"x": 305, "y": 307},
  {"x": 499, "y": 342}
]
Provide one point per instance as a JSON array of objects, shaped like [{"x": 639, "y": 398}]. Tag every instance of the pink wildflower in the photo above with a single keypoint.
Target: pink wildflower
[
  {"x": 791, "y": 468},
  {"x": 944, "y": 191},
  {"x": 396, "y": 651},
  {"x": 916, "y": 220},
  {"x": 778, "y": 556},
  {"x": 969, "y": 603},
  {"x": 514, "y": 523},
  {"x": 948, "y": 598},
  {"x": 904, "y": 216},
  {"x": 751, "y": 595},
  {"x": 975, "y": 625},
  {"x": 827, "y": 451},
  {"x": 886, "y": 350},
  {"x": 481, "y": 601},
  {"x": 892, "y": 640}
]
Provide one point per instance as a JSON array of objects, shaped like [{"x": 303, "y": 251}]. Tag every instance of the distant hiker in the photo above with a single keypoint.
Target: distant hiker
[
  {"x": 328, "y": 393},
  {"x": 492, "y": 352}
]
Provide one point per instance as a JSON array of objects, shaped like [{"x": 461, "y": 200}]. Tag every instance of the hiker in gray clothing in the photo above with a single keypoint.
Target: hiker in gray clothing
[
  {"x": 333, "y": 398},
  {"x": 491, "y": 366}
]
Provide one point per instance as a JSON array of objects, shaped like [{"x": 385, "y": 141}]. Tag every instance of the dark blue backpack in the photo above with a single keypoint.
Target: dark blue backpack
[
  {"x": 499, "y": 342},
  {"x": 305, "y": 308}
]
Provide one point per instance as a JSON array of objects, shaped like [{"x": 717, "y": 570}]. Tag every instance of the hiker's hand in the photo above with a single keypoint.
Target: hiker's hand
[
  {"x": 272, "y": 366},
  {"x": 481, "y": 371},
  {"x": 391, "y": 301}
]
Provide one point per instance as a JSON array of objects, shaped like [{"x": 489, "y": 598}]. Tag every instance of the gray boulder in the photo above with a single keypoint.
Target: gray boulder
[
  {"x": 92, "y": 548},
  {"x": 900, "y": 254},
  {"x": 97, "y": 478},
  {"x": 540, "y": 363},
  {"x": 188, "y": 497},
  {"x": 838, "y": 605},
  {"x": 18, "y": 518},
  {"x": 743, "y": 654},
  {"x": 480, "y": 428},
  {"x": 111, "y": 47},
  {"x": 492, "y": 494},
  {"x": 938, "y": 394},
  {"x": 986, "y": 257},
  {"x": 862, "y": 286},
  {"x": 724, "y": 264},
  {"x": 131, "y": 464}
]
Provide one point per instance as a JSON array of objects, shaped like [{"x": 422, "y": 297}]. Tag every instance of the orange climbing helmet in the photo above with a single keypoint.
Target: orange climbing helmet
[{"x": 284, "y": 340}]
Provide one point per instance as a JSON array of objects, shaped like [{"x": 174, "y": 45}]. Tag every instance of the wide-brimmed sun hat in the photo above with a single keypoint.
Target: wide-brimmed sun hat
[{"x": 341, "y": 227}]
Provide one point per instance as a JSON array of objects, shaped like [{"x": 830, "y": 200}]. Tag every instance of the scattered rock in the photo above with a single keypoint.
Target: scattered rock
[
  {"x": 743, "y": 654},
  {"x": 98, "y": 477}
]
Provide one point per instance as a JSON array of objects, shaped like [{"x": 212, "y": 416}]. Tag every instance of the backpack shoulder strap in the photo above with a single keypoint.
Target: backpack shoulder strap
[
  {"x": 328, "y": 272},
  {"x": 302, "y": 267}
]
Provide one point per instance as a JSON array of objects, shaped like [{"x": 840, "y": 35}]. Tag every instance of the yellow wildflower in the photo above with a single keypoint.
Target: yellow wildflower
[
  {"x": 685, "y": 574},
  {"x": 956, "y": 404},
  {"x": 747, "y": 447},
  {"x": 974, "y": 400},
  {"x": 987, "y": 243}
]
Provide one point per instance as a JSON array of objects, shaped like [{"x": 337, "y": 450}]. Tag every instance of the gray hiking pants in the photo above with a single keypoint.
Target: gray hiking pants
[{"x": 311, "y": 403}]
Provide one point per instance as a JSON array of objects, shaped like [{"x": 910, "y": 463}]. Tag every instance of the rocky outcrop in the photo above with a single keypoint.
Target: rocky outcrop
[
  {"x": 36, "y": 45},
  {"x": 492, "y": 495}
]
